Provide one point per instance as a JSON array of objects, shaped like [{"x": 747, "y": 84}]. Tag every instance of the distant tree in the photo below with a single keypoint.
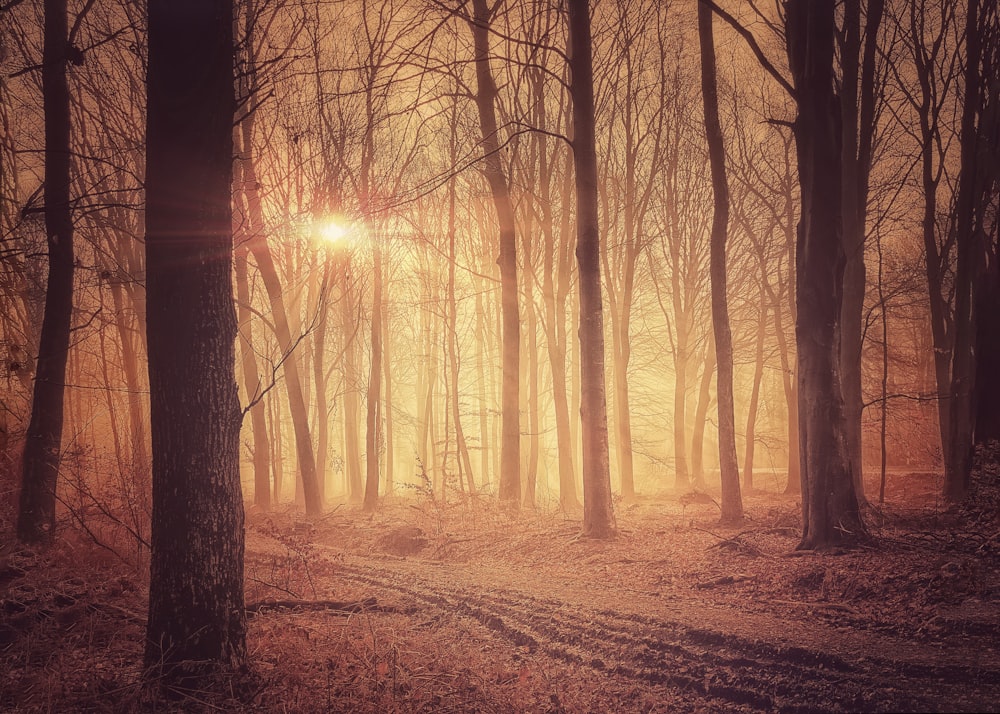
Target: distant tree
[
  {"x": 36, "y": 519},
  {"x": 732, "y": 502},
  {"x": 196, "y": 616},
  {"x": 831, "y": 514},
  {"x": 598, "y": 512}
]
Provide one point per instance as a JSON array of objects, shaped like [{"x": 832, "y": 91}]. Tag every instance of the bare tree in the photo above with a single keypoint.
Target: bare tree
[
  {"x": 36, "y": 519},
  {"x": 510, "y": 482},
  {"x": 830, "y": 510},
  {"x": 732, "y": 502},
  {"x": 196, "y": 616},
  {"x": 598, "y": 513}
]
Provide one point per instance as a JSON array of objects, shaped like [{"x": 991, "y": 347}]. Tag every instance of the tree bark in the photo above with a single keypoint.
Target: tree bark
[
  {"x": 36, "y": 519},
  {"x": 196, "y": 618},
  {"x": 831, "y": 514},
  {"x": 732, "y": 500},
  {"x": 958, "y": 467},
  {"x": 510, "y": 449},
  {"x": 598, "y": 512}
]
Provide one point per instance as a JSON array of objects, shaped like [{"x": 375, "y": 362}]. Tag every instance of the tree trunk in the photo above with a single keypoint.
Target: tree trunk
[
  {"x": 752, "y": 408},
  {"x": 36, "y": 518},
  {"x": 857, "y": 94},
  {"x": 374, "y": 417},
  {"x": 196, "y": 617},
  {"x": 831, "y": 514},
  {"x": 598, "y": 512},
  {"x": 352, "y": 439},
  {"x": 261, "y": 251},
  {"x": 510, "y": 449},
  {"x": 251, "y": 380},
  {"x": 732, "y": 501},
  {"x": 682, "y": 478},
  {"x": 958, "y": 467},
  {"x": 700, "y": 420}
]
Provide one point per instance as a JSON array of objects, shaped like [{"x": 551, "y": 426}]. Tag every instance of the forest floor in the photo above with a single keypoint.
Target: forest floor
[{"x": 420, "y": 608}]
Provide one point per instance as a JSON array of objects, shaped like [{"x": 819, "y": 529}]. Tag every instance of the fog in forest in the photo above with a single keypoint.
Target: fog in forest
[{"x": 604, "y": 336}]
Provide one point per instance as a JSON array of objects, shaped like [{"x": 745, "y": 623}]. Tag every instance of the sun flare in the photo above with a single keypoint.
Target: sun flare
[{"x": 334, "y": 231}]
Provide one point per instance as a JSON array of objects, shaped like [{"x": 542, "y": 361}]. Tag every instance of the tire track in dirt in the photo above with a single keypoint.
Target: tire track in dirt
[{"x": 722, "y": 669}]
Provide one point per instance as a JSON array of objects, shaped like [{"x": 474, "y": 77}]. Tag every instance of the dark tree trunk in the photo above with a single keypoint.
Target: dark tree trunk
[
  {"x": 831, "y": 513},
  {"x": 510, "y": 448},
  {"x": 732, "y": 500},
  {"x": 958, "y": 467},
  {"x": 36, "y": 520},
  {"x": 196, "y": 618},
  {"x": 598, "y": 512},
  {"x": 857, "y": 95}
]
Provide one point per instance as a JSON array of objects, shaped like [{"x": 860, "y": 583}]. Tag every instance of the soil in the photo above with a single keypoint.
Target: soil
[{"x": 464, "y": 608}]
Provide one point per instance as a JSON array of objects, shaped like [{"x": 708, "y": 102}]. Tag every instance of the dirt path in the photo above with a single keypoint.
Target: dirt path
[{"x": 624, "y": 648}]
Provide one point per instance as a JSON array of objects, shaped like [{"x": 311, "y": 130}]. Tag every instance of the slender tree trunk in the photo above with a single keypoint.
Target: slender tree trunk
[
  {"x": 374, "y": 418},
  {"x": 130, "y": 368},
  {"x": 857, "y": 94},
  {"x": 254, "y": 387},
  {"x": 36, "y": 519},
  {"x": 390, "y": 454},
  {"x": 196, "y": 617},
  {"x": 753, "y": 406},
  {"x": 352, "y": 439},
  {"x": 510, "y": 480},
  {"x": 598, "y": 512},
  {"x": 261, "y": 251},
  {"x": 277, "y": 447},
  {"x": 682, "y": 479},
  {"x": 320, "y": 384},
  {"x": 701, "y": 418},
  {"x": 732, "y": 501}
]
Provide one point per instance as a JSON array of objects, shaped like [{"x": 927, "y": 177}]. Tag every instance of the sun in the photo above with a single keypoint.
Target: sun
[{"x": 334, "y": 231}]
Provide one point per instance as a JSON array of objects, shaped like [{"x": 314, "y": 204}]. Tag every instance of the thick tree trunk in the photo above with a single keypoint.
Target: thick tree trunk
[
  {"x": 196, "y": 617},
  {"x": 732, "y": 500},
  {"x": 831, "y": 514},
  {"x": 958, "y": 467},
  {"x": 598, "y": 513},
  {"x": 510, "y": 449},
  {"x": 36, "y": 519}
]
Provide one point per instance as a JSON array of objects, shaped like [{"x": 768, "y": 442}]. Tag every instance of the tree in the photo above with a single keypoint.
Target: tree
[
  {"x": 196, "y": 616},
  {"x": 858, "y": 122},
  {"x": 36, "y": 519},
  {"x": 510, "y": 449},
  {"x": 968, "y": 245},
  {"x": 830, "y": 510},
  {"x": 732, "y": 502},
  {"x": 598, "y": 513}
]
